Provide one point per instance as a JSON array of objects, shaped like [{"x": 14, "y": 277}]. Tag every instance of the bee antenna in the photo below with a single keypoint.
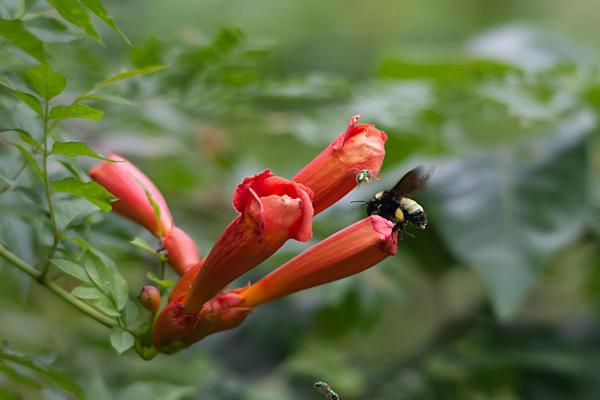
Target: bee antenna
[{"x": 359, "y": 201}]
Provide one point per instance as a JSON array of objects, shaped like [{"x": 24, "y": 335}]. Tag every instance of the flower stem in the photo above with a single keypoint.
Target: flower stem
[
  {"x": 57, "y": 234},
  {"x": 59, "y": 291}
]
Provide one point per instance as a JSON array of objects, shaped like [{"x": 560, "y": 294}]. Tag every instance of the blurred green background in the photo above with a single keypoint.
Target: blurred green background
[{"x": 498, "y": 299}]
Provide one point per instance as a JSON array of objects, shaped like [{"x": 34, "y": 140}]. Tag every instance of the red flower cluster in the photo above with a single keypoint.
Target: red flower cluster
[{"x": 272, "y": 210}]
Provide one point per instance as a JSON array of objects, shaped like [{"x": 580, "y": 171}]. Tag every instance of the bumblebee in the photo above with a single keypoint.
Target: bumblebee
[
  {"x": 395, "y": 204},
  {"x": 364, "y": 176},
  {"x": 324, "y": 388}
]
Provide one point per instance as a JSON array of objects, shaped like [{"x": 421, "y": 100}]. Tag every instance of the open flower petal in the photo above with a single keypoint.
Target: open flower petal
[
  {"x": 332, "y": 174},
  {"x": 122, "y": 179}
]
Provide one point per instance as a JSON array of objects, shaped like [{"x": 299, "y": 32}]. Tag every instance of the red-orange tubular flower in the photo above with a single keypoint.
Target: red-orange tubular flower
[
  {"x": 332, "y": 174},
  {"x": 342, "y": 254},
  {"x": 129, "y": 185},
  {"x": 272, "y": 210},
  {"x": 345, "y": 253},
  {"x": 121, "y": 179}
]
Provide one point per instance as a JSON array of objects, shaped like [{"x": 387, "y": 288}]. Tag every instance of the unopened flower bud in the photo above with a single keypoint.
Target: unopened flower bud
[{"x": 150, "y": 298}]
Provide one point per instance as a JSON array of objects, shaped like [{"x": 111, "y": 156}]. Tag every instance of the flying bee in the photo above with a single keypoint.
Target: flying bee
[
  {"x": 364, "y": 176},
  {"x": 324, "y": 388},
  {"x": 395, "y": 204}
]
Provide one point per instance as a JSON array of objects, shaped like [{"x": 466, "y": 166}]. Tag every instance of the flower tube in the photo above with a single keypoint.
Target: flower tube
[
  {"x": 332, "y": 174},
  {"x": 342, "y": 254},
  {"x": 182, "y": 253},
  {"x": 273, "y": 210},
  {"x": 129, "y": 185},
  {"x": 123, "y": 179}
]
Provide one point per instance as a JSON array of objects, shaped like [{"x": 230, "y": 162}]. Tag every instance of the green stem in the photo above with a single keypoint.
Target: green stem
[
  {"x": 57, "y": 234},
  {"x": 59, "y": 291}
]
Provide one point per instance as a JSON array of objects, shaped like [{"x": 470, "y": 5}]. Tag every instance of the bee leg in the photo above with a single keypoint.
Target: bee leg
[{"x": 399, "y": 227}]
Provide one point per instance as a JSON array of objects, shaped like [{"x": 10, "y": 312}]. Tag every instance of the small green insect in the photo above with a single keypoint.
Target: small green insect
[
  {"x": 364, "y": 176},
  {"x": 324, "y": 388}
]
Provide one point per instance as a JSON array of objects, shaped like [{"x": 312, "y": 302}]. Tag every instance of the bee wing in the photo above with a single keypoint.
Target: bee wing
[{"x": 412, "y": 182}]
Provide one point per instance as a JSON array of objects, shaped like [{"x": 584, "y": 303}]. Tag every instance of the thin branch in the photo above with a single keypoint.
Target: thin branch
[{"x": 59, "y": 291}]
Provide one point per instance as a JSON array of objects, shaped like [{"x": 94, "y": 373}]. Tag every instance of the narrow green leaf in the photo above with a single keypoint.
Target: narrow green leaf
[
  {"x": 87, "y": 292},
  {"x": 73, "y": 12},
  {"x": 73, "y": 168},
  {"x": 91, "y": 191},
  {"x": 25, "y": 136},
  {"x": 43, "y": 367},
  {"x": 74, "y": 149},
  {"x": 143, "y": 244},
  {"x": 154, "y": 206},
  {"x": 164, "y": 284},
  {"x": 31, "y": 160},
  {"x": 71, "y": 268},
  {"x": 110, "y": 99},
  {"x": 126, "y": 75},
  {"x": 46, "y": 81},
  {"x": 121, "y": 340},
  {"x": 107, "y": 307},
  {"x": 19, "y": 377},
  {"x": 76, "y": 111},
  {"x": 97, "y": 8},
  {"x": 4, "y": 81},
  {"x": 14, "y": 31},
  {"x": 30, "y": 100}
]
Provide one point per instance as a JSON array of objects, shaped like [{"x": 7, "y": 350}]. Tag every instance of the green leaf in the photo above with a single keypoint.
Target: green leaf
[
  {"x": 74, "y": 149},
  {"x": 104, "y": 273},
  {"x": 91, "y": 191},
  {"x": 72, "y": 168},
  {"x": 110, "y": 98},
  {"x": 514, "y": 208},
  {"x": 71, "y": 268},
  {"x": 43, "y": 368},
  {"x": 156, "y": 391},
  {"x": 143, "y": 244},
  {"x": 164, "y": 284},
  {"x": 130, "y": 312},
  {"x": 76, "y": 111},
  {"x": 107, "y": 307},
  {"x": 87, "y": 292},
  {"x": 18, "y": 377},
  {"x": 154, "y": 205},
  {"x": 71, "y": 212},
  {"x": 14, "y": 31},
  {"x": 31, "y": 160},
  {"x": 97, "y": 8},
  {"x": 30, "y": 100},
  {"x": 47, "y": 82},
  {"x": 25, "y": 136},
  {"x": 73, "y": 12},
  {"x": 126, "y": 75},
  {"x": 121, "y": 340}
]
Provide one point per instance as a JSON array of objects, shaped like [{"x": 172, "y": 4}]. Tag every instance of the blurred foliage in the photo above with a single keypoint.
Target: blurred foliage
[{"x": 498, "y": 299}]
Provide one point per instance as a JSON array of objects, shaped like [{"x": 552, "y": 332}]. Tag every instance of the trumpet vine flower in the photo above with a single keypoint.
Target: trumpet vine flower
[
  {"x": 332, "y": 174},
  {"x": 129, "y": 185}
]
